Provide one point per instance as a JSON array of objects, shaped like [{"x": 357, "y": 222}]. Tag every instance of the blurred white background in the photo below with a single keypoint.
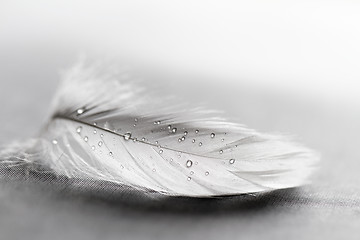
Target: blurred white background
[{"x": 303, "y": 47}]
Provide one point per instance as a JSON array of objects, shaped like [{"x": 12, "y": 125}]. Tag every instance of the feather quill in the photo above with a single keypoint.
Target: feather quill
[{"x": 105, "y": 128}]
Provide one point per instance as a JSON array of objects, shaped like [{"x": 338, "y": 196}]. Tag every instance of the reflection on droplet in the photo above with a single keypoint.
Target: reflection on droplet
[
  {"x": 231, "y": 161},
  {"x": 161, "y": 151},
  {"x": 110, "y": 153},
  {"x": 95, "y": 131},
  {"x": 185, "y": 133},
  {"x": 86, "y": 138},
  {"x": 93, "y": 148},
  {"x": 127, "y": 136},
  {"x": 183, "y": 138},
  {"x": 100, "y": 143},
  {"x": 143, "y": 139},
  {"x": 212, "y": 135},
  {"x": 221, "y": 151},
  {"x": 200, "y": 144},
  {"x": 196, "y": 131},
  {"x": 191, "y": 173},
  {"x": 193, "y": 140},
  {"x": 78, "y": 130},
  {"x": 179, "y": 140},
  {"x": 95, "y": 124},
  {"x": 174, "y": 130},
  {"x": 156, "y": 142},
  {"x": 206, "y": 173},
  {"x": 101, "y": 135},
  {"x": 169, "y": 127},
  {"x": 189, "y": 163},
  {"x": 189, "y": 178},
  {"x": 80, "y": 111},
  {"x": 54, "y": 142}
]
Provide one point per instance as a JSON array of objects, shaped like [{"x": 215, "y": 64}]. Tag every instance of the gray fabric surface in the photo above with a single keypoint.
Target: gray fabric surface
[{"x": 40, "y": 206}]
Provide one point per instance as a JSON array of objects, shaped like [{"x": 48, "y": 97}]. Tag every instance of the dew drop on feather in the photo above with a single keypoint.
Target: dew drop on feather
[
  {"x": 183, "y": 139},
  {"x": 212, "y": 135},
  {"x": 80, "y": 111},
  {"x": 54, "y": 142},
  {"x": 110, "y": 153},
  {"x": 200, "y": 144},
  {"x": 189, "y": 178},
  {"x": 191, "y": 173},
  {"x": 86, "y": 139},
  {"x": 221, "y": 151},
  {"x": 185, "y": 133},
  {"x": 174, "y": 130},
  {"x": 189, "y": 163},
  {"x": 100, "y": 143},
  {"x": 193, "y": 141},
  {"x": 161, "y": 151},
  {"x": 95, "y": 131},
  {"x": 78, "y": 129},
  {"x": 206, "y": 173},
  {"x": 127, "y": 136},
  {"x": 231, "y": 161},
  {"x": 93, "y": 148},
  {"x": 196, "y": 131}
]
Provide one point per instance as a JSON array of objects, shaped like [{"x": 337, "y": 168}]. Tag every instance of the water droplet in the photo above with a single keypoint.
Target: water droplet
[
  {"x": 191, "y": 173},
  {"x": 86, "y": 139},
  {"x": 189, "y": 178},
  {"x": 157, "y": 122},
  {"x": 95, "y": 124},
  {"x": 110, "y": 153},
  {"x": 206, "y": 173},
  {"x": 185, "y": 133},
  {"x": 221, "y": 151},
  {"x": 93, "y": 148},
  {"x": 78, "y": 130},
  {"x": 154, "y": 170},
  {"x": 161, "y": 151},
  {"x": 193, "y": 141},
  {"x": 179, "y": 139},
  {"x": 200, "y": 144},
  {"x": 183, "y": 139},
  {"x": 156, "y": 142},
  {"x": 95, "y": 131},
  {"x": 196, "y": 131},
  {"x": 135, "y": 139},
  {"x": 231, "y": 161},
  {"x": 174, "y": 130},
  {"x": 80, "y": 111},
  {"x": 101, "y": 135},
  {"x": 189, "y": 163},
  {"x": 54, "y": 142},
  {"x": 212, "y": 135},
  {"x": 135, "y": 119},
  {"x": 143, "y": 139},
  {"x": 127, "y": 136},
  {"x": 134, "y": 125},
  {"x": 169, "y": 127},
  {"x": 100, "y": 143}
]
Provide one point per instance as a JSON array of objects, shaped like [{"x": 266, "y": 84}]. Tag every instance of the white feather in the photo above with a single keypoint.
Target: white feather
[{"x": 105, "y": 128}]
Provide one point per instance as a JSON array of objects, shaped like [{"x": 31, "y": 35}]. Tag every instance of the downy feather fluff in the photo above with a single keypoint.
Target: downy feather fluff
[{"x": 108, "y": 129}]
